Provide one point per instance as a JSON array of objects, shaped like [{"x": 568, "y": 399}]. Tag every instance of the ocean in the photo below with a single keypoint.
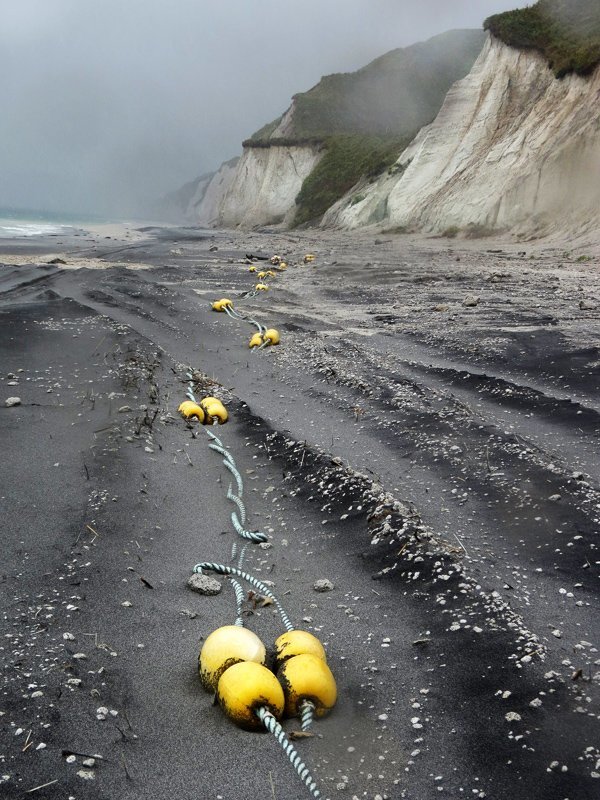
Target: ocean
[{"x": 17, "y": 222}]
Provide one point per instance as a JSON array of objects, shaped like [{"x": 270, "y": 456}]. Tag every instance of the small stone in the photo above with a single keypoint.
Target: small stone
[
  {"x": 89, "y": 762},
  {"x": 471, "y": 301},
  {"x": 12, "y": 401},
  {"x": 126, "y": 603},
  {"x": 557, "y": 633},
  {"x": 554, "y": 498},
  {"x": 512, "y": 716},
  {"x": 102, "y": 712},
  {"x": 204, "y": 584},
  {"x": 441, "y": 307},
  {"x": 586, "y": 305},
  {"x": 71, "y": 759},
  {"x": 86, "y": 774},
  {"x": 124, "y": 409},
  {"x": 41, "y": 746},
  {"x": 323, "y": 585}
]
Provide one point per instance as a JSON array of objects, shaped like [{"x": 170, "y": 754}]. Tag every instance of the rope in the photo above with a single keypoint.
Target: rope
[
  {"x": 220, "y": 449},
  {"x": 254, "y": 536},
  {"x": 239, "y": 599},
  {"x": 238, "y": 478},
  {"x": 307, "y": 714},
  {"x": 239, "y": 503},
  {"x": 241, "y": 558},
  {"x": 222, "y": 569},
  {"x": 271, "y": 724}
]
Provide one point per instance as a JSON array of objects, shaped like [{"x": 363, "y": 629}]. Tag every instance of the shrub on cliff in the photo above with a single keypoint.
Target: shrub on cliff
[
  {"x": 566, "y": 32},
  {"x": 347, "y": 159}
]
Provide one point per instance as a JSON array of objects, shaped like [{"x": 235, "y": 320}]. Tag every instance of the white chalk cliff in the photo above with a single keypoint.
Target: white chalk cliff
[
  {"x": 512, "y": 148},
  {"x": 260, "y": 189}
]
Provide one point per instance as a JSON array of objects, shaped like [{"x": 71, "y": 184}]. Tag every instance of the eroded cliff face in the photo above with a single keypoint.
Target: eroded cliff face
[
  {"x": 204, "y": 205},
  {"x": 260, "y": 190},
  {"x": 511, "y": 149}
]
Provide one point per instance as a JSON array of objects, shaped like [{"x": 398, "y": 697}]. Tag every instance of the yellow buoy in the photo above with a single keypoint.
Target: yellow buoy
[
  {"x": 223, "y": 648},
  {"x": 295, "y": 643},
  {"x": 251, "y": 269},
  {"x": 270, "y": 273},
  {"x": 246, "y": 687},
  {"x": 262, "y": 274},
  {"x": 307, "y": 677},
  {"x": 214, "y": 409},
  {"x": 308, "y": 258},
  {"x": 282, "y": 265},
  {"x": 272, "y": 336},
  {"x": 189, "y": 409},
  {"x": 220, "y": 305},
  {"x": 255, "y": 341},
  {"x": 261, "y": 287}
]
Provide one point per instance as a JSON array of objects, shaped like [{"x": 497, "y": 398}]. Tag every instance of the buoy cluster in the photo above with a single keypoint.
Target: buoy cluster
[
  {"x": 264, "y": 337},
  {"x": 232, "y": 663},
  {"x": 256, "y": 688},
  {"x": 208, "y": 411}
]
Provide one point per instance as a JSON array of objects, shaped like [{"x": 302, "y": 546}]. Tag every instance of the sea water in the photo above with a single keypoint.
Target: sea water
[{"x": 17, "y": 222}]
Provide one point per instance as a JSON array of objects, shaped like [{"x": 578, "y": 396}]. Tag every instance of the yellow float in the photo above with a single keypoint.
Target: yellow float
[
  {"x": 214, "y": 409},
  {"x": 307, "y": 678},
  {"x": 295, "y": 643},
  {"x": 308, "y": 258},
  {"x": 261, "y": 287},
  {"x": 246, "y": 687},
  {"x": 255, "y": 341},
  {"x": 272, "y": 336},
  {"x": 225, "y": 647},
  {"x": 220, "y": 305},
  {"x": 189, "y": 409}
]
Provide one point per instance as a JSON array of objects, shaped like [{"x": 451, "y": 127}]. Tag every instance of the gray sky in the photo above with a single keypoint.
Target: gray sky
[{"x": 106, "y": 103}]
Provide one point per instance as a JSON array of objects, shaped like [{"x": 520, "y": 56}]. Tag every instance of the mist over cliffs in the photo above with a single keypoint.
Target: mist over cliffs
[{"x": 469, "y": 133}]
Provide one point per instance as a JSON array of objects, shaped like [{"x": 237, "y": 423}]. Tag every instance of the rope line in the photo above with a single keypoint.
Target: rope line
[
  {"x": 222, "y": 569},
  {"x": 238, "y": 478},
  {"x": 239, "y": 600},
  {"x": 307, "y": 714},
  {"x": 239, "y": 503},
  {"x": 271, "y": 724},
  {"x": 254, "y": 536}
]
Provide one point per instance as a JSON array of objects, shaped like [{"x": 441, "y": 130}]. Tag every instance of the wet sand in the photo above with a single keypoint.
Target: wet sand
[{"x": 437, "y": 461}]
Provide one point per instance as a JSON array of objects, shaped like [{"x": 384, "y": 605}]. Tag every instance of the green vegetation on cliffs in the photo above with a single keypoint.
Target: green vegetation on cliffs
[
  {"x": 364, "y": 119},
  {"x": 347, "y": 159},
  {"x": 566, "y": 32}
]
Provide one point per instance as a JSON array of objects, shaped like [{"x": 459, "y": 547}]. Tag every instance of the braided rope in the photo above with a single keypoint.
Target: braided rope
[
  {"x": 220, "y": 449},
  {"x": 238, "y": 478},
  {"x": 239, "y": 599},
  {"x": 307, "y": 714},
  {"x": 215, "y": 438},
  {"x": 241, "y": 558},
  {"x": 222, "y": 569},
  {"x": 271, "y": 724},
  {"x": 239, "y": 503},
  {"x": 254, "y": 536}
]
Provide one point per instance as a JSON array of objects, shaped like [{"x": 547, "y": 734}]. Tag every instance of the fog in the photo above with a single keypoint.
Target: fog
[{"x": 107, "y": 104}]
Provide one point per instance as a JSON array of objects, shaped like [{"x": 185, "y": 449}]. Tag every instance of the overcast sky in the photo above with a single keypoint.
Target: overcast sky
[{"x": 106, "y": 103}]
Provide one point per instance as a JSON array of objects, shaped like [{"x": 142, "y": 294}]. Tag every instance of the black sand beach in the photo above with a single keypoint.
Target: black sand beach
[{"x": 425, "y": 437}]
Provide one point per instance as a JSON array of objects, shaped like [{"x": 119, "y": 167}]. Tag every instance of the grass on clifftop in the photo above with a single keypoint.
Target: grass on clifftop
[
  {"x": 346, "y": 160},
  {"x": 394, "y": 95},
  {"x": 567, "y": 32}
]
